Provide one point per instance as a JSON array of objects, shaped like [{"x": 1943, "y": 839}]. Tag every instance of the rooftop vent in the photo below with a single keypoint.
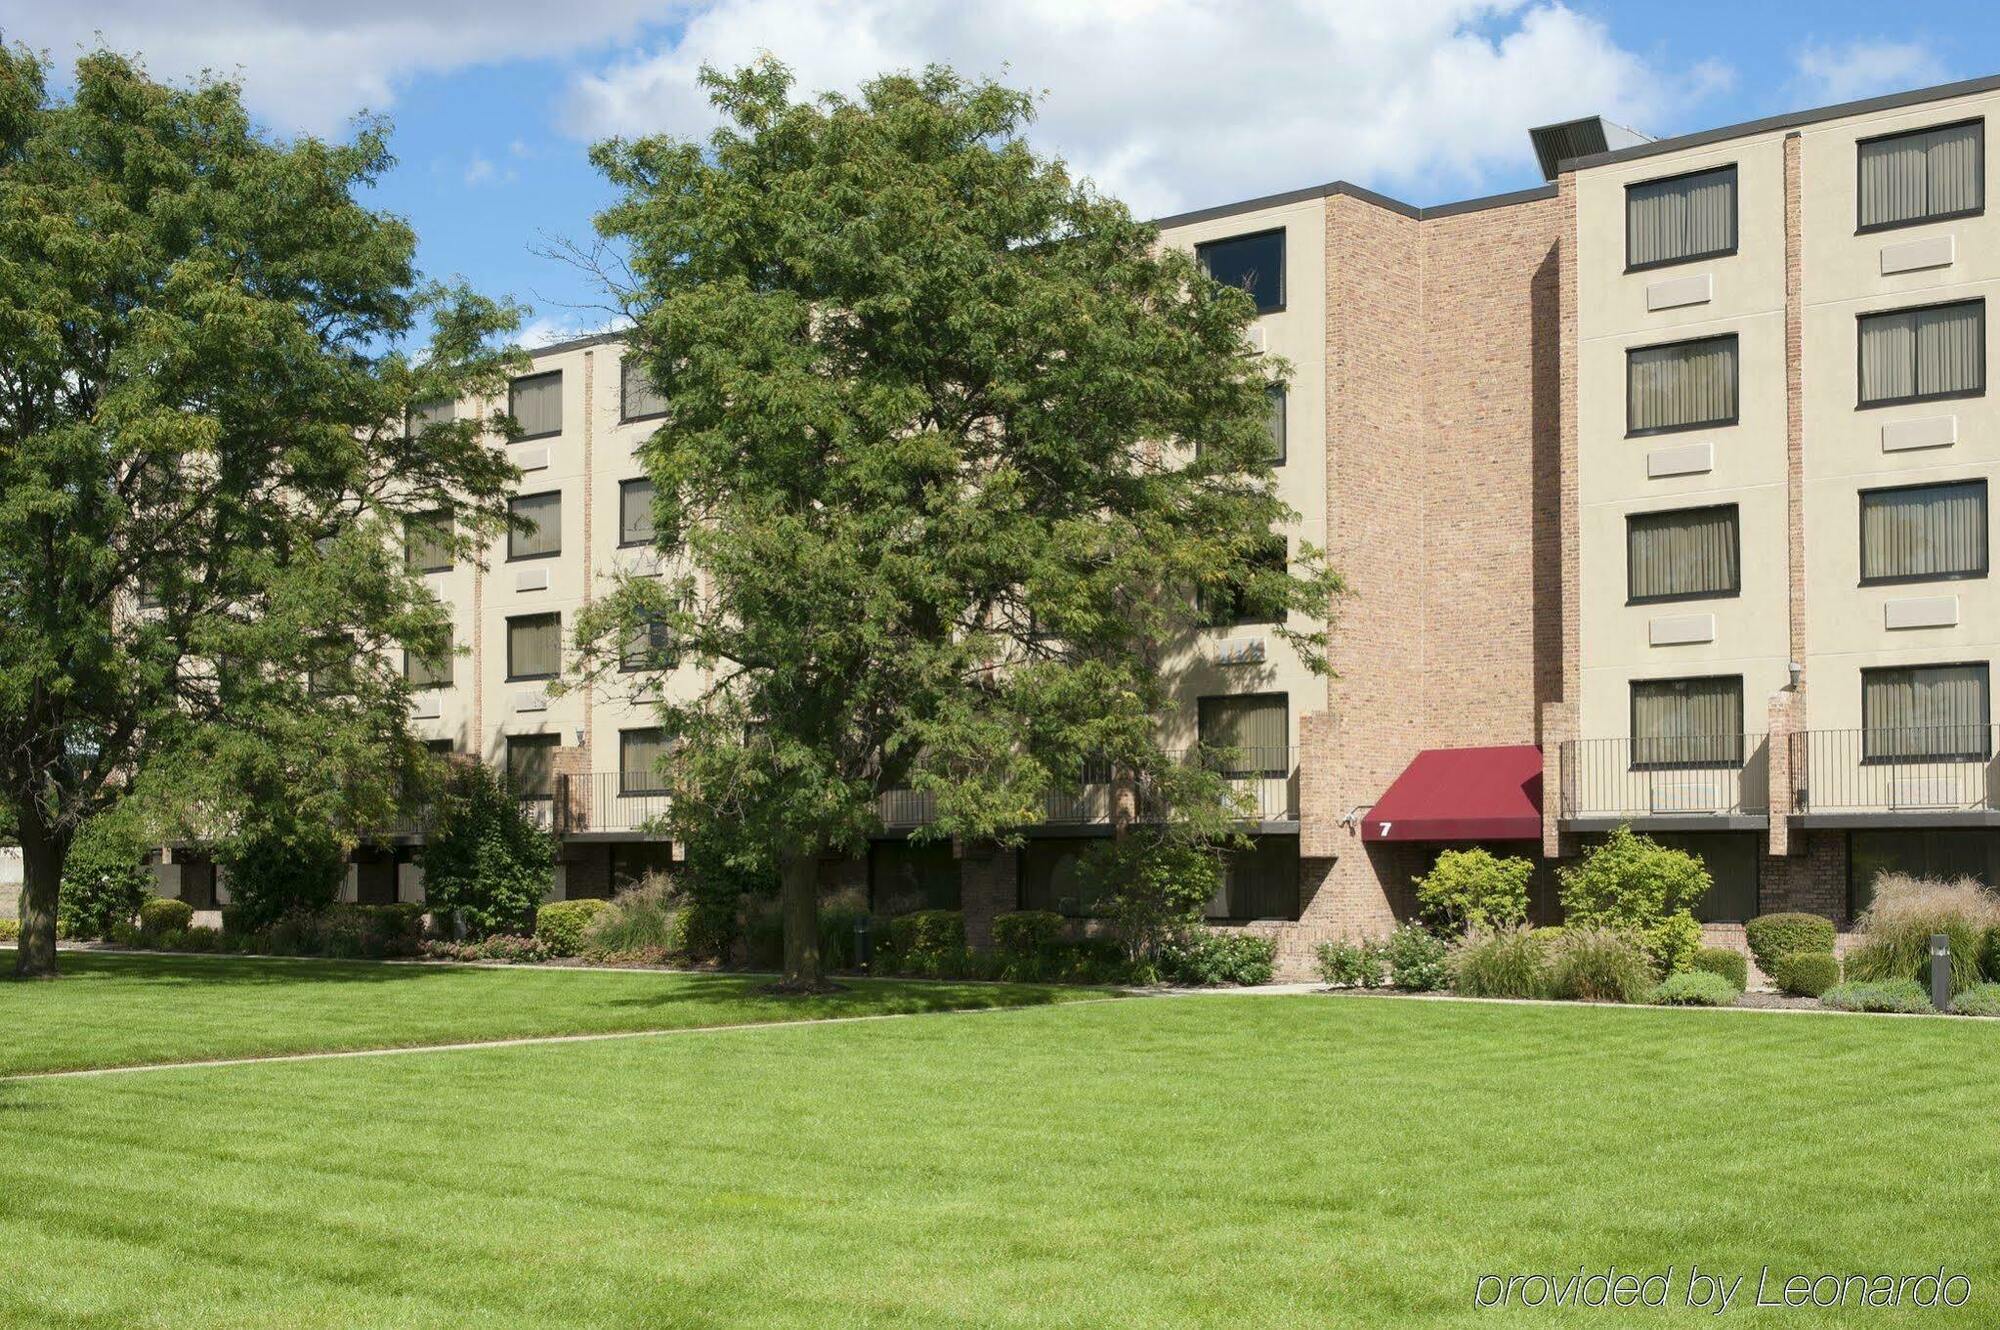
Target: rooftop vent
[{"x": 1556, "y": 144}]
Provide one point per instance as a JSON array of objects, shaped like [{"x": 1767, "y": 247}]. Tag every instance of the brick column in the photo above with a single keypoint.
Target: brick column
[
  {"x": 988, "y": 885},
  {"x": 1319, "y": 817},
  {"x": 1558, "y": 727},
  {"x": 1787, "y": 713}
]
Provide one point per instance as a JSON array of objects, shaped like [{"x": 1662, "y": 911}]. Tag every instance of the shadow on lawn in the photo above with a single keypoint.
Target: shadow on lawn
[
  {"x": 858, "y": 997},
  {"x": 220, "y": 971}
]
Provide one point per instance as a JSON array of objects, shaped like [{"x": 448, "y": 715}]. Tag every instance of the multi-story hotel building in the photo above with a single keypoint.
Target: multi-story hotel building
[{"x": 1661, "y": 490}]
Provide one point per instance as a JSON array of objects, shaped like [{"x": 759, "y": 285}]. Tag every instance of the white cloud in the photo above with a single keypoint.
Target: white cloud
[
  {"x": 548, "y": 329},
  {"x": 1178, "y": 103},
  {"x": 1828, "y": 73},
  {"x": 481, "y": 171}
]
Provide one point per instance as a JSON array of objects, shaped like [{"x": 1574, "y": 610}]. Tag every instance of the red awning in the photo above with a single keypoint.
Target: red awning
[{"x": 1462, "y": 794}]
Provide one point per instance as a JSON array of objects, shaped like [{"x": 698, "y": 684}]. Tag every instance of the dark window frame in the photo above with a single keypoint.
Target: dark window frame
[
  {"x": 1731, "y": 594},
  {"x": 1632, "y": 687},
  {"x": 626, "y": 791},
  {"x": 1735, "y": 219},
  {"x": 1985, "y": 722},
  {"x": 623, "y": 486},
  {"x": 1911, "y": 579},
  {"x": 1266, "y": 773},
  {"x": 1284, "y": 261},
  {"x": 513, "y": 531},
  {"x": 625, "y": 368},
  {"x": 1978, "y": 156},
  {"x": 512, "y": 619},
  {"x": 1862, "y": 316},
  {"x": 1735, "y": 416},
  {"x": 1298, "y": 893},
  {"x": 515, "y": 383}
]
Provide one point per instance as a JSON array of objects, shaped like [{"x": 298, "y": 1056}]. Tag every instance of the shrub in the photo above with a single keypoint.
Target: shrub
[
  {"x": 126, "y": 935},
  {"x": 160, "y": 914},
  {"x": 927, "y": 943},
  {"x": 561, "y": 924},
  {"x": 1346, "y": 964},
  {"x": 1773, "y": 935},
  {"x": 1509, "y": 963},
  {"x": 10, "y": 930},
  {"x": 838, "y": 916},
  {"x": 727, "y": 881},
  {"x": 1632, "y": 884},
  {"x": 1728, "y": 962},
  {"x": 1896, "y": 931},
  {"x": 286, "y": 865},
  {"x": 1473, "y": 890},
  {"x": 1597, "y": 965},
  {"x": 1157, "y": 884},
  {"x": 1205, "y": 958},
  {"x": 1903, "y": 995},
  {"x": 1695, "y": 988},
  {"x": 1418, "y": 959},
  {"x": 1978, "y": 1000},
  {"x": 104, "y": 880},
  {"x": 1032, "y": 945},
  {"x": 198, "y": 937},
  {"x": 1806, "y": 973},
  {"x": 764, "y": 936},
  {"x": 493, "y": 947},
  {"x": 486, "y": 864},
  {"x": 647, "y": 922},
  {"x": 1673, "y": 943}
]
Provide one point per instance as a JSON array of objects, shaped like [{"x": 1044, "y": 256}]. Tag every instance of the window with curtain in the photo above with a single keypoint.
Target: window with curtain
[
  {"x": 640, "y": 755},
  {"x": 1926, "y": 713},
  {"x": 650, "y": 647},
  {"x": 1918, "y": 533},
  {"x": 1261, "y": 882},
  {"x": 1679, "y": 723},
  {"x": 1275, "y": 396},
  {"x": 425, "y": 673},
  {"x": 1247, "y": 735},
  {"x": 426, "y": 543},
  {"x": 1683, "y": 385},
  {"x": 1908, "y": 355},
  {"x": 1254, "y": 263},
  {"x": 1682, "y": 555},
  {"x": 1922, "y": 176},
  {"x": 1949, "y": 853},
  {"x": 638, "y": 399},
  {"x": 535, "y": 402},
  {"x": 531, "y": 766},
  {"x": 635, "y": 512},
  {"x": 1686, "y": 217},
  {"x": 1731, "y": 858},
  {"x": 1236, "y": 603},
  {"x": 534, "y": 646},
  {"x": 538, "y": 534},
  {"x": 425, "y": 414}
]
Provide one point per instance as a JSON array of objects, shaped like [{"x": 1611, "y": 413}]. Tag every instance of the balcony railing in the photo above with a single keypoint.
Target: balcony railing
[
  {"x": 605, "y": 801},
  {"x": 1266, "y": 779},
  {"x": 1941, "y": 768},
  {"x": 1693, "y": 776}
]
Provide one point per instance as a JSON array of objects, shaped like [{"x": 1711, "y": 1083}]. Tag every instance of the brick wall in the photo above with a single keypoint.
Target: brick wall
[{"x": 988, "y": 885}]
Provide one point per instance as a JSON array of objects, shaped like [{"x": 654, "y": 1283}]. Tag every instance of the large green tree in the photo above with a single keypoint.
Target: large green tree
[
  {"x": 952, "y": 442},
  {"x": 206, "y": 464}
]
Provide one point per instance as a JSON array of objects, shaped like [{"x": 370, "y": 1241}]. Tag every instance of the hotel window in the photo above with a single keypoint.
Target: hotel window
[
  {"x": 905, "y": 876},
  {"x": 1914, "y": 355},
  {"x": 1275, "y": 396},
  {"x": 440, "y": 747},
  {"x": 1246, "y": 736},
  {"x": 635, "y": 512},
  {"x": 638, "y": 399},
  {"x": 425, "y": 414},
  {"x": 534, "y": 646},
  {"x": 1924, "y": 175},
  {"x": 1051, "y": 877},
  {"x": 650, "y": 647},
  {"x": 1923, "y": 533},
  {"x": 1682, "y": 385},
  {"x": 1253, "y": 263},
  {"x": 1680, "y": 723},
  {"x": 1945, "y": 853},
  {"x": 1261, "y": 882},
  {"x": 423, "y": 673},
  {"x": 539, "y": 533},
  {"x": 427, "y": 543},
  {"x": 1684, "y": 554},
  {"x": 531, "y": 765},
  {"x": 1926, "y": 713},
  {"x": 640, "y": 754},
  {"x": 535, "y": 402},
  {"x": 1235, "y": 603},
  {"x": 1681, "y": 219}
]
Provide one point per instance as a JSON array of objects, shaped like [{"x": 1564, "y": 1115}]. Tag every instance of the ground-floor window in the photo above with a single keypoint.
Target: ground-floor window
[
  {"x": 374, "y": 875},
  {"x": 197, "y": 880},
  {"x": 1261, "y": 882},
  {"x": 631, "y": 861},
  {"x": 1940, "y": 852},
  {"x": 1731, "y": 858},
  {"x": 905, "y": 876},
  {"x": 1051, "y": 876},
  {"x": 1544, "y": 890}
]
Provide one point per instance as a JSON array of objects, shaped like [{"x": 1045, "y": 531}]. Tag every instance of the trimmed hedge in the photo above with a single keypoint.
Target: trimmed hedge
[
  {"x": 561, "y": 924},
  {"x": 1696, "y": 988},
  {"x": 1725, "y": 961},
  {"x": 161, "y": 914},
  {"x": 1806, "y": 973},
  {"x": 1022, "y": 934},
  {"x": 1773, "y": 935},
  {"x": 927, "y": 943},
  {"x": 1900, "y": 995}
]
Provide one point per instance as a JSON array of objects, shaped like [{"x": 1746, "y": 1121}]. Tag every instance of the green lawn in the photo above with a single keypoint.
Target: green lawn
[
  {"x": 1226, "y": 1161},
  {"x": 110, "y": 1010}
]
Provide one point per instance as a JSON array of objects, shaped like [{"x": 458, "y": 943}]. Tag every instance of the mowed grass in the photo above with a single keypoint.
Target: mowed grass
[
  {"x": 1217, "y": 1161},
  {"x": 109, "y": 1010}
]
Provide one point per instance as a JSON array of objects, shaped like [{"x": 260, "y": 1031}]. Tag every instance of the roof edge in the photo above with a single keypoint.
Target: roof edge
[{"x": 1348, "y": 189}]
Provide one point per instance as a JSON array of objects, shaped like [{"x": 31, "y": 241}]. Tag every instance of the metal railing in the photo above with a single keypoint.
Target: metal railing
[
  {"x": 1266, "y": 780},
  {"x": 1712, "y": 775},
  {"x": 1938, "y": 768},
  {"x": 604, "y": 801}
]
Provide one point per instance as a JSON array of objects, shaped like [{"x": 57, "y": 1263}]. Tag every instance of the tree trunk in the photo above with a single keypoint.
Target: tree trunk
[
  {"x": 43, "y": 853},
  {"x": 799, "y": 908}
]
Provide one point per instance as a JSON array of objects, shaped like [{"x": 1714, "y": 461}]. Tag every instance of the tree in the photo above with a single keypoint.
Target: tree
[
  {"x": 205, "y": 466},
  {"x": 486, "y": 864},
  {"x": 952, "y": 444}
]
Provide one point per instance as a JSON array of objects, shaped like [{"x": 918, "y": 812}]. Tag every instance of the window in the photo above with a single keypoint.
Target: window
[
  {"x": 632, "y": 862},
  {"x": 531, "y": 765},
  {"x": 1924, "y": 175},
  {"x": 1926, "y": 713},
  {"x": 1680, "y": 219},
  {"x": 425, "y": 414},
  {"x": 424, "y": 673},
  {"x": 1051, "y": 876},
  {"x": 638, "y": 399},
  {"x": 1682, "y": 723},
  {"x": 1731, "y": 860},
  {"x": 1247, "y": 735},
  {"x": 534, "y": 646},
  {"x": 1684, "y": 554},
  {"x": 1253, "y": 263},
  {"x": 1922, "y": 533},
  {"x": 640, "y": 755},
  {"x": 1261, "y": 882},
  {"x": 1275, "y": 395},
  {"x": 905, "y": 876},
  {"x": 538, "y": 533},
  {"x": 1940, "y": 852},
  {"x": 650, "y": 647},
  {"x": 535, "y": 402},
  {"x": 440, "y": 747},
  {"x": 635, "y": 512},
  {"x": 427, "y": 543},
  {"x": 1682, "y": 385},
  {"x": 1915, "y": 355},
  {"x": 197, "y": 879},
  {"x": 1235, "y": 603}
]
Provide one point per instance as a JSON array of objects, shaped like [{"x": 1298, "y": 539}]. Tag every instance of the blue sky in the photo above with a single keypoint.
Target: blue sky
[{"x": 1171, "y": 104}]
